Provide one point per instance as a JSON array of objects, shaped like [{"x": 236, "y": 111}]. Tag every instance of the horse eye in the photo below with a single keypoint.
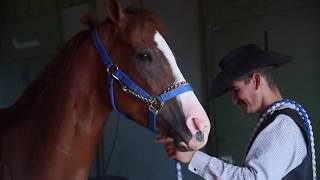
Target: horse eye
[{"x": 145, "y": 57}]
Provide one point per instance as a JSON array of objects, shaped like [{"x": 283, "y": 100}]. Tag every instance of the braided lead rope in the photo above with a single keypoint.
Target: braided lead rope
[{"x": 179, "y": 171}]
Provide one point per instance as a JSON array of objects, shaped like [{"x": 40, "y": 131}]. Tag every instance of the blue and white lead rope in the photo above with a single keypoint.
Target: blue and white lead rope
[
  {"x": 178, "y": 171},
  {"x": 293, "y": 105}
]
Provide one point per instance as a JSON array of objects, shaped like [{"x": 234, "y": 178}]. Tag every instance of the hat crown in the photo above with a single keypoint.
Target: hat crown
[
  {"x": 242, "y": 61},
  {"x": 240, "y": 53}
]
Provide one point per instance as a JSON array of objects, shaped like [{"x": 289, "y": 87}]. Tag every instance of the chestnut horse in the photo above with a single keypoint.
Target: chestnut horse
[{"x": 51, "y": 131}]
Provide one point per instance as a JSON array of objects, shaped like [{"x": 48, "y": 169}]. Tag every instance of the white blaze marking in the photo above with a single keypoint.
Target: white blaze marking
[
  {"x": 188, "y": 101},
  {"x": 163, "y": 46}
]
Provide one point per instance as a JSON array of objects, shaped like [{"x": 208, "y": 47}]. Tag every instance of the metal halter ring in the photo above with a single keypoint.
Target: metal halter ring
[
  {"x": 155, "y": 105},
  {"x": 113, "y": 68}
]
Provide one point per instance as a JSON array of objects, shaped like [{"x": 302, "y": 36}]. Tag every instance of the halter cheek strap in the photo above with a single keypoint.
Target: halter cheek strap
[{"x": 155, "y": 104}]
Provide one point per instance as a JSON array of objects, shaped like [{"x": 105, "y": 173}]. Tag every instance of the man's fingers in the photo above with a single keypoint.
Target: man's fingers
[
  {"x": 163, "y": 140},
  {"x": 172, "y": 156},
  {"x": 168, "y": 145},
  {"x": 172, "y": 153},
  {"x": 170, "y": 148}
]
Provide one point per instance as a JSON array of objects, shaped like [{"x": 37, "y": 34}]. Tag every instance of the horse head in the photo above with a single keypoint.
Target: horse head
[{"x": 134, "y": 41}]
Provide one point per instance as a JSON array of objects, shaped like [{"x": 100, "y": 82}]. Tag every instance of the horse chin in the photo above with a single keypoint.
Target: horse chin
[{"x": 181, "y": 145}]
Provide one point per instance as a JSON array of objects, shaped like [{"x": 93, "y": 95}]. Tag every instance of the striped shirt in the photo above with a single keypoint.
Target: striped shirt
[{"x": 278, "y": 149}]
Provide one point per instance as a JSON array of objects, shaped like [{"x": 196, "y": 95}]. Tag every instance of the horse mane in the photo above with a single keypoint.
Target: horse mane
[
  {"x": 89, "y": 19},
  {"x": 52, "y": 72},
  {"x": 40, "y": 87}
]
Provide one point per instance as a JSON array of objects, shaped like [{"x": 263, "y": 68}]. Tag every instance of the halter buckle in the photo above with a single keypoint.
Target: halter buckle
[
  {"x": 111, "y": 70},
  {"x": 155, "y": 105}
]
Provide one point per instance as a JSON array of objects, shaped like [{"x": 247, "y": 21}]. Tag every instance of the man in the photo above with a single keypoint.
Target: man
[{"x": 282, "y": 146}]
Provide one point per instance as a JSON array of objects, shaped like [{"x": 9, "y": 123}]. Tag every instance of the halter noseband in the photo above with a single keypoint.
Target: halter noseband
[{"x": 155, "y": 104}]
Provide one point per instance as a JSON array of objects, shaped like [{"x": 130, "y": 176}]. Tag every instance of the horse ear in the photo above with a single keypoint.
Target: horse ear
[{"x": 114, "y": 10}]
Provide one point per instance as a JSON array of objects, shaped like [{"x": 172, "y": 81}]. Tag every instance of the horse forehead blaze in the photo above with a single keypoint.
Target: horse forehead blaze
[{"x": 163, "y": 46}]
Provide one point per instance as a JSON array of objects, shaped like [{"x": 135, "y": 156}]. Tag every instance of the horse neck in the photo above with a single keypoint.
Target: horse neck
[
  {"x": 61, "y": 115},
  {"x": 72, "y": 84}
]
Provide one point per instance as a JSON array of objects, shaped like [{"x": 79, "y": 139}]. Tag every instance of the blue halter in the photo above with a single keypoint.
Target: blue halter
[{"x": 155, "y": 104}]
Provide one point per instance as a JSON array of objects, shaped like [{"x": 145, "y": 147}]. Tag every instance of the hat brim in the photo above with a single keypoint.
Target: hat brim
[{"x": 222, "y": 82}]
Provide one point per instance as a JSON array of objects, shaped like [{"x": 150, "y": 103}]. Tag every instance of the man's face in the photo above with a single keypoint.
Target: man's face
[{"x": 245, "y": 95}]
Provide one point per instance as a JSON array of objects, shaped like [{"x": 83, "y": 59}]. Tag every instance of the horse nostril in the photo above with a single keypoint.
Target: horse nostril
[
  {"x": 194, "y": 120},
  {"x": 199, "y": 136}
]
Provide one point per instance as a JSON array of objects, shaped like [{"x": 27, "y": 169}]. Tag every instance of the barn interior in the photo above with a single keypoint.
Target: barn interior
[{"x": 199, "y": 33}]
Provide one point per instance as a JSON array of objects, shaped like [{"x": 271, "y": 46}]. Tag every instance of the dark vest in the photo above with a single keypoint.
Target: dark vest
[{"x": 304, "y": 170}]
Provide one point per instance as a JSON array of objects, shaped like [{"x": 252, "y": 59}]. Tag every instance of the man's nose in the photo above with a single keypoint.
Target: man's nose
[{"x": 234, "y": 98}]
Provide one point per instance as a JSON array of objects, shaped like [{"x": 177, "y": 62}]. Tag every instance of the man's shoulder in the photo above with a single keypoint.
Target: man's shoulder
[{"x": 289, "y": 115}]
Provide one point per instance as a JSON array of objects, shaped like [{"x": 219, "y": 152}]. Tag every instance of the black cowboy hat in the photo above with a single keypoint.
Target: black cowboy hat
[{"x": 241, "y": 61}]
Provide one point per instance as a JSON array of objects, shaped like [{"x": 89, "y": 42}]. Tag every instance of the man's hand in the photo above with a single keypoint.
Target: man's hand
[{"x": 173, "y": 153}]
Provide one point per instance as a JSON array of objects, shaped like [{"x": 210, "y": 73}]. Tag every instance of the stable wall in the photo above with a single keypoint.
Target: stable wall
[{"x": 127, "y": 149}]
